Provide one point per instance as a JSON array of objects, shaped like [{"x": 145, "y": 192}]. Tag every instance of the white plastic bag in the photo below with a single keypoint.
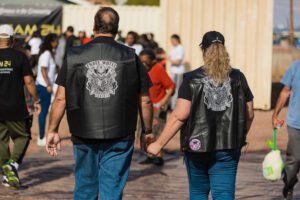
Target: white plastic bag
[{"x": 273, "y": 166}]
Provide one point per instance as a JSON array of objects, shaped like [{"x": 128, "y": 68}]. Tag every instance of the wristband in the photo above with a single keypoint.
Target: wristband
[{"x": 146, "y": 132}]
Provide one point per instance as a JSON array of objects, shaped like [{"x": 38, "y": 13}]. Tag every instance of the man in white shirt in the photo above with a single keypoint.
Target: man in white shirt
[{"x": 177, "y": 67}]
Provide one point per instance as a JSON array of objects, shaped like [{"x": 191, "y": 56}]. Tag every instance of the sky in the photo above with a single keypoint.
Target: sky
[{"x": 281, "y": 14}]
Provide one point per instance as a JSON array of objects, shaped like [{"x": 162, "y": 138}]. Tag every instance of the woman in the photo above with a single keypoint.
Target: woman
[
  {"x": 131, "y": 41},
  {"x": 177, "y": 67},
  {"x": 45, "y": 80},
  {"x": 35, "y": 43},
  {"x": 214, "y": 111}
]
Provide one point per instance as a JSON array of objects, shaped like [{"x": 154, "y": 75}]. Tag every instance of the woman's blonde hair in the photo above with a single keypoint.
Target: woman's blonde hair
[{"x": 217, "y": 62}]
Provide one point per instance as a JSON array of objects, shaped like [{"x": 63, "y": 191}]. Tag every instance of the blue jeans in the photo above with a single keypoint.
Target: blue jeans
[
  {"x": 45, "y": 98},
  {"x": 212, "y": 171},
  {"x": 102, "y": 168}
]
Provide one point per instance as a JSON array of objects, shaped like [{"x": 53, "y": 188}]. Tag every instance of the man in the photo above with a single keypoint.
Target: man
[
  {"x": 71, "y": 39},
  {"x": 291, "y": 82},
  {"x": 101, "y": 85},
  {"x": 160, "y": 94},
  {"x": 15, "y": 70}
]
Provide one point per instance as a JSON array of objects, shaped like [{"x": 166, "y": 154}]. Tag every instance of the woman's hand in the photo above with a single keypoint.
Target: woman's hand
[
  {"x": 154, "y": 149},
  {"x": 49, "y": 89}
]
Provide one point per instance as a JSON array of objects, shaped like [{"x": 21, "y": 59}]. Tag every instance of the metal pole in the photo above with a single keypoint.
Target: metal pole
[{"x": 292, "y": 37}]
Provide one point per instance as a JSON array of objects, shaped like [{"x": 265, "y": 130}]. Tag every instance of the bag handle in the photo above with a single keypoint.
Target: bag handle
[
  {"x": 275, "y": 139},
  {"x": 273, "y": 144}
]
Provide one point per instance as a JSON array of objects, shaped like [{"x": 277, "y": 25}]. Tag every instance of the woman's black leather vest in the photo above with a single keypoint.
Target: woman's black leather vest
[
  {"x": 208, "y": 130},
  {"x": 102, "y": 91}
]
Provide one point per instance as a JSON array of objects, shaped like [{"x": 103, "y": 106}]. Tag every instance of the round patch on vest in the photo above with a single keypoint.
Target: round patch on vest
[{"x": 195, "y": 144}]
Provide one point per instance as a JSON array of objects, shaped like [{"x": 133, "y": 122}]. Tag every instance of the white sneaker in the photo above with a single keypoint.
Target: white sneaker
[{"x": 41, "y": 142}]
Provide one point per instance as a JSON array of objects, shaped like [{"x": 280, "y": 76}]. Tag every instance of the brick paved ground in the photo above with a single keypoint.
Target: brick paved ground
[{"x": 52, "y": 178}]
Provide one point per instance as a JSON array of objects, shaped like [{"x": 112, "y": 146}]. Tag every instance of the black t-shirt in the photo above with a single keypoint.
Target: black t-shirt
[
  {"x": 14, "y": 65},
  {"x": 72, "y": 41},
  {"x": 144, "y": 82},
  {"x": 186, "y": 93}
]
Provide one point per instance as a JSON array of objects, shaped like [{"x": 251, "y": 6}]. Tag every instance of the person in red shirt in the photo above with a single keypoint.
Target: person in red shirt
[
  {"x": 82, "y": 37},
  {"x": 160, "y": 94}
]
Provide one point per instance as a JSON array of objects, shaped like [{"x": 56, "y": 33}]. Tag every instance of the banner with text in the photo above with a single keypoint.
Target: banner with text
[{"x": 26, "y": 19}]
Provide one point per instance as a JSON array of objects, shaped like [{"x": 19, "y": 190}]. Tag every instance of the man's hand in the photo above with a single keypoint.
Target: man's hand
[
  {"x": 277, "y": 123},
  {"x": 53, "y": 143},
  {"x": 154, "y": 149},
  {"x": 146, "y": 140}
]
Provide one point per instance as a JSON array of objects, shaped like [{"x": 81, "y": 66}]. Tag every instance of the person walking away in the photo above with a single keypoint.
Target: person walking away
[
  {"x": 45, "y": 81},
  {"x": 177, "y": 67},
  {"x": 214, "y": 111},
  {"x": 101, "y": 85},
  {"x": 15, "y": 72},
  {"x": 35, "y": 43},
  {"x": 131, "y": 41},
  {"x": 71, "y": 39},
  {"x": 291, "y": 91},
  {"x": 160, "y": 94}
]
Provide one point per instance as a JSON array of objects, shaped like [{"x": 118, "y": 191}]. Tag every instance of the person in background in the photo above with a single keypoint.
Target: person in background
[
  {"x": 131, "y": 41},
  {"x": 160, "y": 94},
  {"x": 71, "y": 39},
  {"x": 35, "y": 42},
  {"x": 60, "y": 50},
  {"x": 120, "y": 38},
  {"x": 111, "y": 86},
  {"x": 45, "y": 80},
  {"x": 82, "y": 36},
  {"x": 153, "y": 44},
  {"x": 177, "y": 67},
  {"x": 214, "y": 111},
  {"x": 161, "y": 56},
  {"x": 144, "y": 41},
  {"x": 291, "y": 91},
  {"x": 15, "y": 73}
]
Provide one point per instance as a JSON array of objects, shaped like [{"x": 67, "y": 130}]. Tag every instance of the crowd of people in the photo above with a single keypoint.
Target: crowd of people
[{"x": 105, "y": 82}]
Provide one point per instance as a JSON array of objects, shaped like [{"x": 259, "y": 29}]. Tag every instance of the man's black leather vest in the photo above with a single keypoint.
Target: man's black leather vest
[
  {"x": 102, "y": 90},
  {"x": 207, "y": 130}
]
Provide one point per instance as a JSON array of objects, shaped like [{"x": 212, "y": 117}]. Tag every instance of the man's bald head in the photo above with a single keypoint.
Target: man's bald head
[{"x": 106, "y": 21}]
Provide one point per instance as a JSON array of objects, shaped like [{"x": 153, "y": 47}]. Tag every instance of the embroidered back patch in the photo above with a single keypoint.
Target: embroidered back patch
[
  {"x": 217, "y": 97},
  {"x": 101, "y": 78}
]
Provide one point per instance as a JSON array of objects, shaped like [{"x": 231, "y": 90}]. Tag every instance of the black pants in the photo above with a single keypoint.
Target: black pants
[{"x": 292, "y": 163}]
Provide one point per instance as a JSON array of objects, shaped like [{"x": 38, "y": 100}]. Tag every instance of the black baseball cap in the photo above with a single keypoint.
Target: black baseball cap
[{"x": 210, "y": 38}]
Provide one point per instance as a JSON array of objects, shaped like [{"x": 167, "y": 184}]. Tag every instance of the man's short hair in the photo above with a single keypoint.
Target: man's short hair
[
  {"x": 106, "y": 21},
  {"x": 148, "y": 52},
  {"x": 70, "y": 29}
]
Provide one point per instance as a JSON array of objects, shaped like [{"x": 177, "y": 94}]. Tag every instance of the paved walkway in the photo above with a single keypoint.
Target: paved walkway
[{"x": 52, "y": 178}]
